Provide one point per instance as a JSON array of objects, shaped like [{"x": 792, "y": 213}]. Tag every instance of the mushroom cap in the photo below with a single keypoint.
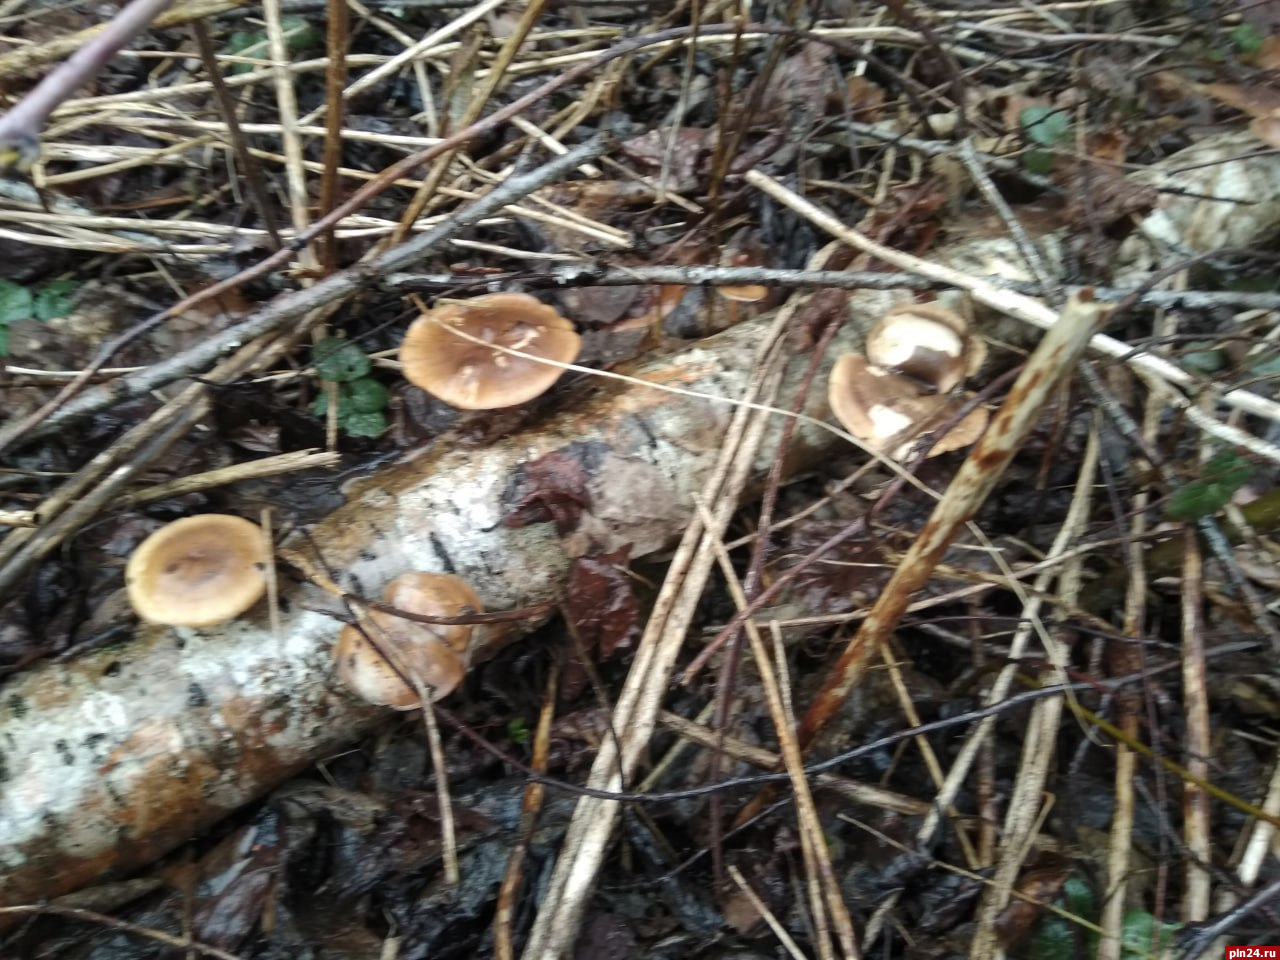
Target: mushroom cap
[
  {"x": 434, "y": 653},
  {"x": 934, "y": 311},
  {"x": 367, "y": 673},
  {"x": 868, "y": 400},
  {"x": 887, "y": 411},
  {"x": 435, "y": 595},
  {"x": 473, "y": 376},
  {"x": 744, "y": 292},
  {"x": 918, "y": 344},
  {"x": 198, "y": 571}
]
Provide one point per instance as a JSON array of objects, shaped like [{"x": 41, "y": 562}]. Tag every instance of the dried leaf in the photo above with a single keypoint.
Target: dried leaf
[
  {"x": 601, "y": 602},
  {"x": 551, "y": 489},
  {"x": 1036, "y": 887}
]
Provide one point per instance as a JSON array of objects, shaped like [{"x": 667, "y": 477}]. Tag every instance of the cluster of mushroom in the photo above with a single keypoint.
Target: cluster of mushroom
[
  {"x": 210, "y": 568},
  {"x": 434, "y": 655},
  {"x": 458, "y": 351},
  {"x": 916, "y": 355}
]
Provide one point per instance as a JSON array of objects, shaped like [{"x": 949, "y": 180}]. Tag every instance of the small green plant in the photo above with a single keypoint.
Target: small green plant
[
  {"x": 299, "y": 36},
  {"x": 1247, "y": 39},
  {"x": 1046, "y": 127},
  {"x": 1224, "y": 474},
  {"x": 18, "y": 303},
  {"x": 517, "y": 731},
  {"x": 362, "y": 400},
  {"x": 1054, "y": 938}
]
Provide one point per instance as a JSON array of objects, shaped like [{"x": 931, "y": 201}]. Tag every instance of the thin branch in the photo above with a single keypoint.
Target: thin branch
[
  {"x": 600, "y": 274},
  {"x": 21, "y": 127},
  {"x": 290, "y": 306},
  {"x": 227, "y": 107}
]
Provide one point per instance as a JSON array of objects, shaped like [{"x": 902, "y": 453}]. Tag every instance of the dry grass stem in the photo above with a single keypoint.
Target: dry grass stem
[
  {"x": 1025, "y": 811},
  {"x": 636, "y": 710},
  {"x": 223, "y": 476},
  {"x": 408, "y": 163},
  {"x": 1014, "y": 304},
  {"x": 778, "y": 929}
]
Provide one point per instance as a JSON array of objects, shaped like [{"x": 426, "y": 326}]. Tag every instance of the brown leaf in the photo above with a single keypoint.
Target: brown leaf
[
  {"x": 1102, "y": 201},
  {"x": 1267, "y": 129},
  {"x": 550, "y": 489},
  {"x": 1255, "y": 100},
  {"x": 1036, "y": 887},
  {"x": 1268, "y": 55},
  {"x": 797, "y": 92},
  {"x": 692, "y": 146},
  {"x": 601, "y": 602}
]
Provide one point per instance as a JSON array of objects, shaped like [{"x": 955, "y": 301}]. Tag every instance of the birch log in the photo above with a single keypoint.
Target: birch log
[{"x": 111, "y": 760}]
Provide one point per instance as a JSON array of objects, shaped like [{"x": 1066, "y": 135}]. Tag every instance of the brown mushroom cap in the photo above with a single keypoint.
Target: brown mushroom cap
[
  {"x": 745, "y": 292},
  {"x": 433, "y": 653},
  {"x": 866, "y": 399},
  {"x": 367, "y": 673},
  {"x": 920, "y": 347},
  {"x": 435, "y": 595},
  {"x": 887, "y": 411},
  {"x": 474, "y": 376},
  {"x": 198, "y": 571}
]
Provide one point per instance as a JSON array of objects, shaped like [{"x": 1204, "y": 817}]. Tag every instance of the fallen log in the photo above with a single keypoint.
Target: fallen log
[{"x": 109, "y": 761}]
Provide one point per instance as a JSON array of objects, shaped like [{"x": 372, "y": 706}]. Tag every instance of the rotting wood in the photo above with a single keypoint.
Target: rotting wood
[{"x": 111, "y": 760}]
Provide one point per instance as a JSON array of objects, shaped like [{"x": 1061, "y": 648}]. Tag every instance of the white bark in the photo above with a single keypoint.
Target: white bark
[{"x": 109, "y": 761}]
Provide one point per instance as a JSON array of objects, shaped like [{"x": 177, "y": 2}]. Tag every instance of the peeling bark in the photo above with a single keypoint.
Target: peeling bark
[{"x": 111, "y": 760}]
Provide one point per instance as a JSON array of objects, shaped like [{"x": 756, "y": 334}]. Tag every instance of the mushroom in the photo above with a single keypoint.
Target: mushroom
[
  {"x": 198, "y": 571},
  {"x": 472, "y": 375},
  {"x": 927, "y": 342},
  {"x": 434, "y": 654},
  {"x": 744, "y": 292},
  {"x": 887, "y": 411}
]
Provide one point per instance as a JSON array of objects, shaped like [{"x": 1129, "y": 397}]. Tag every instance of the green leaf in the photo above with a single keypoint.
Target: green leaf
[
  {"x": 299, "y": 34},
  {"x": 1054, "y": 937},
  {"x": 1079, "y": 897},
  {"x": 368, "y": 395},
  {"x": 1038, "y": 161},
  {"x": 1265, "y": 367},
  {"x": 1044, "y": 125},
  {"x": 364, "y": 424},
  {"x": 1136, "y": 931},
  {"x": 1219, "y": 479},
  {"x": 54, "y": 299},
  {"x": 339, "y": 360},
  {"x": 4, "y": 340},
  {"x": 1202, "y": 358},
  {"x": 244, "y": 43},
  {"x": 517, "y": 731},
  {"x": 320, "y": 405},
  {"x": 1247, "y": 38},
  {"x": 15, "y": 302}
]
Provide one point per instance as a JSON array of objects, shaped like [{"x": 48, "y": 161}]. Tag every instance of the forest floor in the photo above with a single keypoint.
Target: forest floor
[{"x": 1056, "y": 735}]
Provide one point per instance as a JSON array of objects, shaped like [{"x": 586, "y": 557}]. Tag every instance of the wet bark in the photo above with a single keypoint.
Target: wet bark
[{"x": 111, "y": 760}]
